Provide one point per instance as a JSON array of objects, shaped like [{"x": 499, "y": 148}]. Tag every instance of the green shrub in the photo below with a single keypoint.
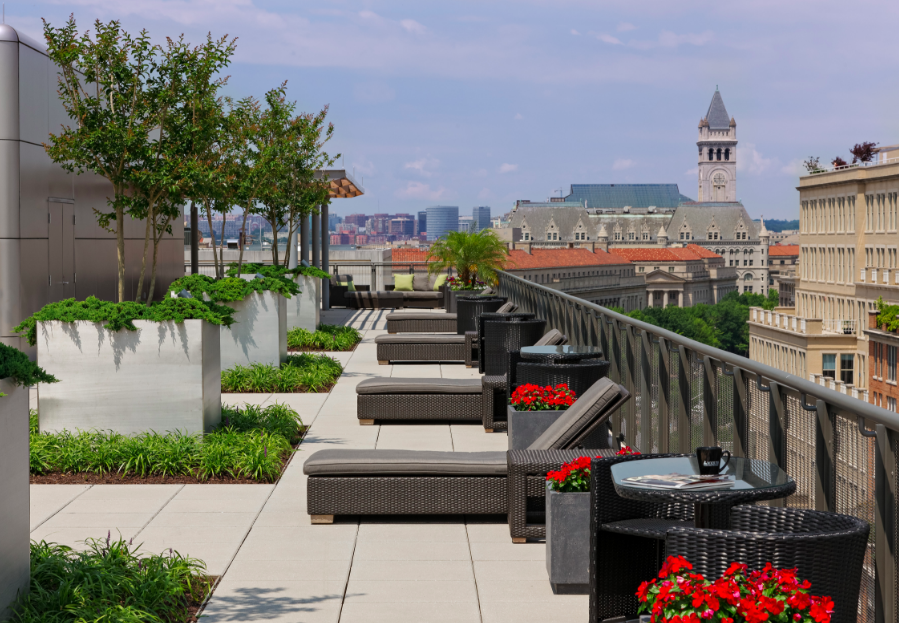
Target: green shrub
[
  {"x": 252, "y": 442},
  {"x": 109, "y": 582},
  {"x": 300, "y": 373},
  {"x": 886, "y": 315},
  {"x": 122, "y": 315},
  {"x": 328, "y": 337},
  {"x": 232, "y": 288},
  {"x": 16, "y": 365},
  {"x": 267, "y": 270}
]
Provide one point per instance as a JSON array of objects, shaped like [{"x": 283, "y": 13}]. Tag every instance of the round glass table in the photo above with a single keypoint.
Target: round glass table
[
  {"x": 754, "y": 480},
  {"x": 565, "y": 353}
]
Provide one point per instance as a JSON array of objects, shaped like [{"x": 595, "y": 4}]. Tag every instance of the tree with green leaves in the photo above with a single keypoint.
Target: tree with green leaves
[{"x": 474, "y": 255}]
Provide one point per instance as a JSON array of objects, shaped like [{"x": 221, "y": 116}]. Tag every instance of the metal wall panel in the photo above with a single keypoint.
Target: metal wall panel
[
  {"x": 56, "y": 113},
  {"x": 34, "y": 168},
  {"x": 33, "y": 272},
  {"x": 10, "y": 299},
  {"x": 90, "y": 191},
  {"x": 56, "y": 282},
  {"x": 9, "y": 90},
  {"x": 68, "y": 250},
  {"x": 95, "y": 269},
  {"x": 9, "y": 187},
  {"x": 34, "y": 96}
]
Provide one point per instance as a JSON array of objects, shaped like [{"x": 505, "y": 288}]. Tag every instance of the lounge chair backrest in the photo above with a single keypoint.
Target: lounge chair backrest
[
  {"x": 344, "y": 278},
  {"x": 588, "y": 413},
  {"x": 507, "y": 308},
  {"x": 487, "y": 291},
  {"x": 552, "y": 338}
]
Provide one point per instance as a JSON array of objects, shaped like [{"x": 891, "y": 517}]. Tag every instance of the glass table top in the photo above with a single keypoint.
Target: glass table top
[
  {"x": 565, "y": 351},
  {"x": 748, "y": 473}
]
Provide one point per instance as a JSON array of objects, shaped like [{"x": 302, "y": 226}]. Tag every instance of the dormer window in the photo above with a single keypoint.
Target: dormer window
[{"x": 631, "y": 235}]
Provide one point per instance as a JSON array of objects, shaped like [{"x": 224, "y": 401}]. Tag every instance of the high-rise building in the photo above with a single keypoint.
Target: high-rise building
[
  {"x": 356, "y": 219},
  {"x": 333, "y": 221},
  {"x": 481, "y": 217},
  {"x": 402, "y": 226},
  {"x": 466, "y": 223},
  {"x": 442, "y": 220},
  {"x": 422, "y": 222}
]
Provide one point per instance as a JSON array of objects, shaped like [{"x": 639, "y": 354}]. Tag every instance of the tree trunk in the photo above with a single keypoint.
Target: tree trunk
[
  {"x": 222, "y": 246},
  {"x": 246, "y": 213},
  {"x": 120, "y": 248},
  {"x": 156, "y": 242},
  {"x": 143, "y": 260},
  {"x": 215, "y": 257}
]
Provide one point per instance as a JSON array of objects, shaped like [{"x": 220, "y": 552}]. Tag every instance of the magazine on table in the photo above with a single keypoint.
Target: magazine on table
[{"x": 681, "y": 481}]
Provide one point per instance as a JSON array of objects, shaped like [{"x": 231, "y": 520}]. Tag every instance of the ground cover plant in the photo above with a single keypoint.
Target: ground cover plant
[
  {"x": 267, "y": 270},
  {"x": 302, "y": 373},
  {"x": 253, "y": 443},
  {"x": 109, "y": 582},
  {"x": 232, "y": 288},
  {"x": 16, "y": 365},
  {"x": 328, "y": 337},
  {"x": 115, "y": 316}
]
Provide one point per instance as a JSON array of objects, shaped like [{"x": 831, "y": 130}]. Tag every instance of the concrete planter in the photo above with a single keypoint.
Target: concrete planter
[
  {"x": 304, "y": 309},
  {"x": 568, "y": 542},
  {"x": 259, "y": 332},
  {"x": 165, "y": 376},
  {"x": 526, "y": 426},
  {"x": 14, "y": 491}
]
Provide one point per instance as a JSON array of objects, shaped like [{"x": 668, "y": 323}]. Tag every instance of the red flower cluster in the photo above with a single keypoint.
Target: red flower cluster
[
  {"x": 529, "y": 397},
  {"x": 573, "y": 477},
  {"x": 770, "y": 595},
  {"x": 626, "y": 451}
]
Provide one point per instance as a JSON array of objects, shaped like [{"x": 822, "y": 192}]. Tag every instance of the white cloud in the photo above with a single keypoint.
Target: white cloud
[
  {"x": 574, "y": 32},
  {"x": 607, "y": 38},
  {"x": 693, "y": 171},
  {"x": 622, "y": 163},
  {"x": 412, "y": 26},
  {"x": 793, "y": 168},
  {"x": 518, "y": 116},
  {"x": 508, "y": 168},
  {"x": 751, "y": 161},
  {"x": 418, "y": 190},
  {"x": 423, "y": 166},
  {"x": 373, "y": 93},
  {"x": 625, "y": 26},
  {"x": 669, "y": 39}
]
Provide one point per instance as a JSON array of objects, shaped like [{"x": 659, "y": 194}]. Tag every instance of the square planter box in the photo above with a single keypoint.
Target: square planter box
[
  {"x": 568, "y": 542},
  {"x": 450, "y": 298},
  {"x": 259, "y": 332},
  {"x": 165, "y": 376},
  {"x": 14, "y": 491},
  {"x": 304, "y": 309},
  {"x": 526, "y": 426}
]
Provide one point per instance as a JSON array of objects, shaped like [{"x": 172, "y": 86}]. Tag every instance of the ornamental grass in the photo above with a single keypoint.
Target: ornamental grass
[
  {"x": 302, "y": 373},
  {"x": 329, "y": 337},
  {"x": 252, "y": 442},
  {"x": 109, "y": 582}
]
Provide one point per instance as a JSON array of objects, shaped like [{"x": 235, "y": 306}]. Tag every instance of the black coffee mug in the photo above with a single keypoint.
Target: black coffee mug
[{"x": 709, "y": 459}]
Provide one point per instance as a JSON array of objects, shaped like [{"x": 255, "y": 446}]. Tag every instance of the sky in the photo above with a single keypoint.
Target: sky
[{"x": 483, "y": 103}]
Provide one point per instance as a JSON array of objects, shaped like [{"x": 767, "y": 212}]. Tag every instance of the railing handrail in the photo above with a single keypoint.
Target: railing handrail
[{"x": 871, "y": 413}]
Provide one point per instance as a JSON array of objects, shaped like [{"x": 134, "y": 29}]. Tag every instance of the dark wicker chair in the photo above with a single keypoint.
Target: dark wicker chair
[
  {"x": 484, "y": 317},
  {"x": 468, "y": 308},
  {"x": 472, "y": 343},
  {"x": 827, "y": 549}
]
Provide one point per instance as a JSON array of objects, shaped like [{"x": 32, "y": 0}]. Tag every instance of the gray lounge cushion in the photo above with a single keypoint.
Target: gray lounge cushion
[
  {"x": 420, "y": 338},
  {"x": 553, "y": 338},
  {"x": 507, "y": 308},
  {"x": 421, "y": 295},
  {"x": 343, "y": 462},
  {"x": 390, "y": 385},
  {"x": 593, "y": 406},
  {"x": 420, "y": 316}
]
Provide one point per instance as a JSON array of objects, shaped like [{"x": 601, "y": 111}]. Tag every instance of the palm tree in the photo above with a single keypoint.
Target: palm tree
[{"x": 474, "y": 254}]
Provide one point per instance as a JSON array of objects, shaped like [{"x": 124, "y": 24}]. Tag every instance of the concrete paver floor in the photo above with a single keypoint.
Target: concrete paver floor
[{"x": 276, "y": 566}]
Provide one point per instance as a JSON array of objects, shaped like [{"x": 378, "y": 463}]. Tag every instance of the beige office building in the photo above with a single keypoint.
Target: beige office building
[{"x": 848, "y": 243}]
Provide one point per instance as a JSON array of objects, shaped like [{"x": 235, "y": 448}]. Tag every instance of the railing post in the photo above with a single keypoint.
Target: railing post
[
  {"x": 685, "y": 404},
  {"x": 646, "y": 392},
  {"x": 631, "y": 361},
  {"x": 374, "y": 278},
  {"x": 741, "y": 411},
  {"x": 709, "y": 403},
  {"x": 615, "y": 369},
  {"x": 825, "y": 457},
  {"x": 664, "y": 395},
  {"x": 777, "y": 431},
  {"x": 884, "y": 527}
]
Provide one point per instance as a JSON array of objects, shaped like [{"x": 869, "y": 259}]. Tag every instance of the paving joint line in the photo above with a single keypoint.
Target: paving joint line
[
  {"x": 58, "y": 510},
  {"x": 156, "y": 514},
  {"x": 474, "y": 575}
]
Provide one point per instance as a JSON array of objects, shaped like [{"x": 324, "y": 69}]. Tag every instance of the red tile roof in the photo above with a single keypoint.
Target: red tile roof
[
  {"x": 409, "y": 255},
  {"x": 560, "y": 258},
  {"x": 665, "y": 254},
  {"x": 784, "y": 250},
  {"x": 703, "y": 252}
]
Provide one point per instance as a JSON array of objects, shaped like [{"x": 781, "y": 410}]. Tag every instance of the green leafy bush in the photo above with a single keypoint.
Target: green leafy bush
[
  {"x": 109, "y": 582},
  {"x": 267, "y": 270},
  {"x": 122, "y": 315},
  {"x": 252, "y": 442},
  {"x": 232, "y": 288},
  {"x": 886, "y": 315},
  {"x": 299, "y": 374},
  {"x": 16, "y": 365},
  {"x": 328, "y": 337}
]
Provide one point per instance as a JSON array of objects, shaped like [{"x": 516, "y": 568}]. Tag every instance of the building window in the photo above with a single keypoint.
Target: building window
[
  {"x": 891, "y": 404},
  {"x": 847, "y": 368},
  {"x": 829, "y": 366},
  {"x": 891, "y": 363},
  {"x": 671, "y": 269},
  {"x": 527, "y": 236},
  {"x": 641, "y": 269},
  {"x": 630, "y": 235}
]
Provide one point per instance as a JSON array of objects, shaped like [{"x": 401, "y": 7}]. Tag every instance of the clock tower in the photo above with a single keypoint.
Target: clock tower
[{"x": 717, "y": 146}]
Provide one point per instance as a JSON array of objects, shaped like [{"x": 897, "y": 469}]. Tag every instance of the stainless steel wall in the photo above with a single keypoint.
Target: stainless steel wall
[{"x": 33, "y": 190}]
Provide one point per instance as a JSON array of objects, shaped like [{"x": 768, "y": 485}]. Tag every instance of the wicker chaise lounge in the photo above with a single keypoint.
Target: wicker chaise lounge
[
  {"x": 407, "y": 399},
  {"x": 430, "y": 322},
  {"x": 410, "y": 482}
]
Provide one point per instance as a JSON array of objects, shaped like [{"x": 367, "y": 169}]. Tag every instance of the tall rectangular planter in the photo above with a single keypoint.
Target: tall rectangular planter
[
  {"x": 14, "y": 493},
  {"x": 449, "y": 298},
  {"x": 259, "y": 332},
  {"x": 568, "y": 542},
  {"x": 304, "y": 309},
  {"x": 526, "y": 426},
  {"x": 165, "y": 376}
]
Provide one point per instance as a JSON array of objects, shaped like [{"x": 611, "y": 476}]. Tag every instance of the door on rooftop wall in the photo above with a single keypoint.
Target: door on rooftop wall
[{"x": 61, "y": 250}]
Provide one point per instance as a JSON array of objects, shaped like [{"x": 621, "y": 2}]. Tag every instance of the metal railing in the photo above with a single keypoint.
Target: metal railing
[
  {"x": 845, "y": 167},
  {"x": 841, "y": 451}
]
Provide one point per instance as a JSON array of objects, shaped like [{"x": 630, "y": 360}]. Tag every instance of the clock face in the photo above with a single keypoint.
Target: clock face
[{"x": 719, "y": 179}]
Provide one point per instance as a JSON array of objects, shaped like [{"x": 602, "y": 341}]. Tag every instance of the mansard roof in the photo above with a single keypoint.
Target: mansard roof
[
  {"x": 622, "y": 195},
  {"x": 539, "y": 219},
  {"x": 717, "y": 116},
  {"x": 727, "y": 216}
]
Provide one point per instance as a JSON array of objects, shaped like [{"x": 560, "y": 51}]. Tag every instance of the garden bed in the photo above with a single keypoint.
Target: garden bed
[
  {"x": 328, "y": 338},
  {"x": 253, "y": 445},
  {"x": 301, "y": 373}
]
